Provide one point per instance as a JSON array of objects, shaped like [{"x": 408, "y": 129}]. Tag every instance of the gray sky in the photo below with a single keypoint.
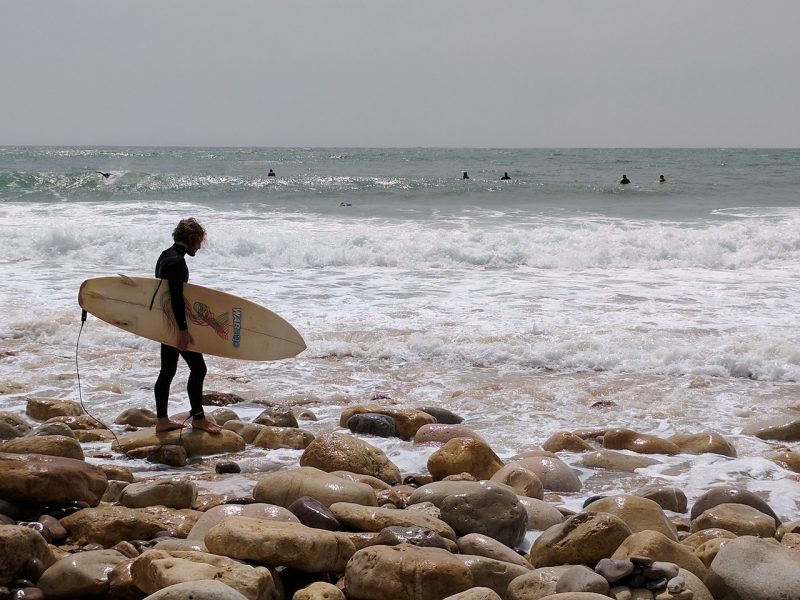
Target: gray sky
[{"x": 528, "y": 73}]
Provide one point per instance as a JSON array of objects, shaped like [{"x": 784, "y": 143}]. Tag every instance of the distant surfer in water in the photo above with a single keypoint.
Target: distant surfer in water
[
  {"x": 188, "y": 236},
  {"x": 624, "y": 180},
  {"x": 662, "y": 179},
  {"x": 271, "y": 173},
  {"x": 106, "y": 175},
  {"x": 465, "y": 176},
  {"x": 505, "y": 177}
]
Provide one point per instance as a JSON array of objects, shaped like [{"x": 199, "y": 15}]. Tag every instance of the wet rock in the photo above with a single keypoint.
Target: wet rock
[
  {"x": 734, "y": 495},
  {"x": 407, "y": 573},
  {"x": 490, "y": 573},
  {"x": 555, "y": 474},
  {"x": 247, "y": 431},
  {"x": 614, "y": 569},
  {"x": 52, "y": 428},
  {"x": 284, "y": 487},
  {"x": 312, "y": 513},
  {"x": 460, "y": 455},
  {"x": 319, "y": 590},
  {"x": 786, "y": 429},
  {"x": 440, "y": 433},
  {"x": 80, "y": 575},
  {"x": 371, "y": 518},
  {"x": 221, "y": 399},
  {"x": 483, "y": 545},
  {"x": 585, "y": 538},
  {"x": 740, "y": 519},
  {"x": 639, "y": 513},
  {"x": 47, "y": 445},
  {"x": 216, "y": 515},
  {"x": 19, "y": 546},
  {"x": 338, "y": 452},
  {"x": 406, "y": 421},
  {"x": 701, "y": 537},
  {"x": 172, "y": 493},
  {"x": 658, "y": 547},
  {"x": 109, "y": 525},
  {"x": 541, "y": 514},
  {"x": 280, "y": 544},
  {"x": 223, "y": 415},
  {"x": 227, "y": 466},
  {"x": 276, "y": 416},
  {"x": 475, "y": 593},
  {"x": 138, "y": 417},
  {"x": 667, "y": 497},
  {"x": 197, "y": 590},
  {"x": 283, "y": 437},
  {"x": 37, "y": 479},
  {"x": 616, "y": 461},
  {"x": 539, "y": 583},
  {"x": 581, "y": 578},
  {"x": 566, "y": 441},
  {"x": 416, "y": 536},
  {"x": 196, "y": 442},
  {"x": 372, "y": 424},
  {"x": 442, "y": 415},
  {"x": 703, "y": 443},
  {"x": 42, "y": 409},
  {"x": 524, "y": 481},
  {"x": 487, "y": 509},
  {"x": 12, "y": 426},
  {"x": 642, "y": 443}
]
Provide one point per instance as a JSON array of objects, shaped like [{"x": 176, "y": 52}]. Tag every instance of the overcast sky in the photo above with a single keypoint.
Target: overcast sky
[{"x": 527, "y": 73}]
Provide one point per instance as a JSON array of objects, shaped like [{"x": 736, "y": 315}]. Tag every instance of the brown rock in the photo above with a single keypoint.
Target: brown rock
[
  {"x": 582, "y": 539},
  {"x": 787, "y": 459},
  {"x": 541, "y": 514},
  {"x": 19, "y": 545},
  {"x": 539, "y": 583},
  {"x": 616, "y": 461},
  {"x": 554, "y": 473},
  {"x": 786, "y": 429},
  {"x": 196, "y": 442},
  {"x": 482, "y": 545},
  {"x": 278, "y": 543},
  {"x": 283, "y": 437},
  {"x": 659, "y": 547},
  {"x": 284, "y": 487},
  {"x": 566, "y": 441},
  {"x": 699, "y": 538},
  {"x": 523, "y": 481},
  {"x": 407, "y": 573},
  {"x": 340, "y": 452},
  {"x": 708, "y": 551},
  {"x": 276, "y": 416},
  {"x": 109, "y": 525},
  {"x": 216, "y": 515},
  {"x": 736, "y": 518},
  {"x": 47, "y": 445},
  {"x": 440, "y": 433},
  {"x": 406, "y": 421},
  {"x": 38, "y": 479},
  {"x": 12, "y": 426},
  {"x": 703, "y": 443},
  {"x": 627, "y": 439},
  {"x": 639, "y": 513},
  {"x": 212, "y": 398},
  {"x": 461, "y": 455},
  {"x": 666, "y": 496},
  {"x": 138, "y": 417},
  {"x": 80, "y": 575},
  {"x": 42, "y": 409},
  {"x": 371, "y": 518},
  {"x": 491, "y": 573}
]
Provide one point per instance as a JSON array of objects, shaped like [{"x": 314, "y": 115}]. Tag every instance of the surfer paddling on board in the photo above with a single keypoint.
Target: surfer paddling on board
[{"x": 188, "y": 236}]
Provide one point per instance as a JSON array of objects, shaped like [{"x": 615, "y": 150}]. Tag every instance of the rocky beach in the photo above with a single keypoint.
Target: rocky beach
[{"x": 126, "y": 513}]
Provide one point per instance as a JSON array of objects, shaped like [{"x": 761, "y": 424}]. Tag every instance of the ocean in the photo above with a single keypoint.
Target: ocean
[{"x": 558, "y": 300}]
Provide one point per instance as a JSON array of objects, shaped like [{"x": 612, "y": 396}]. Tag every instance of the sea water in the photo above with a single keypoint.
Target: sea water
[{"x": 557, "y": 300}]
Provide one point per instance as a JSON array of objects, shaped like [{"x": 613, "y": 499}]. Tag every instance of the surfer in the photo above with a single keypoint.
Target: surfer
[
  {"x": 465, "y": 176},
  {"x": 662, "y": 179},
  {"x": 624, "y": 180},
  {"x": 188, "y": 236},
  {"x": 105, "y": 175},
  {"x": 505, "y": 177},
  {"x": 271, "y": 173}
]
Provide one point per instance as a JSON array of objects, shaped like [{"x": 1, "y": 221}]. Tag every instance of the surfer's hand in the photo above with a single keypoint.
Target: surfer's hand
[{"x": 184, "y": 339}]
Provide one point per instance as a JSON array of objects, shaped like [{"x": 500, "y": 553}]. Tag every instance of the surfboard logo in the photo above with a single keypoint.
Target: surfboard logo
[
  {"x": 200, "y": 314},
  {"x": 237, "y": 326}
]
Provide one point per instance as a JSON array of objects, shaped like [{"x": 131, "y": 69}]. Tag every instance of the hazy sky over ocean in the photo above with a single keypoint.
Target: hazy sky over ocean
[{"x": 530, "y": 73}]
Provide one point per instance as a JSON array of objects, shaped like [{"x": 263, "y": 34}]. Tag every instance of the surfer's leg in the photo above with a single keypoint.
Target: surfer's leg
[
  {"x": 194, "y": 387},
  {"x": 169, "y": 364}
]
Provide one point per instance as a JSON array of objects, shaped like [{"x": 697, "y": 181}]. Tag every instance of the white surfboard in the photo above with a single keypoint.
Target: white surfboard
[{"x": 221, "y": 324}]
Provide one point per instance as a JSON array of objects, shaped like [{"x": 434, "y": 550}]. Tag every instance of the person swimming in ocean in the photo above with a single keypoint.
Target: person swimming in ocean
[
  {"x": 271, "y": 173},
  {"x": 624, "y": 180},
  {"x": 662, "y": 179},
  {"x": 465, "y": 176},
  {"x": 105, "y": 175},
  {"x": 505, "y": 177}
]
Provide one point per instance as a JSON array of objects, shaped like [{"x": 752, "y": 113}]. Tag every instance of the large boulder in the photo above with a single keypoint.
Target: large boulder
[
  {"x": 488, "y": 509},
  {"x": 491, "y": 573},
  {"x": 282, "y": 488},
  {"x": 42, "y": 409},
  {"x": 731, "y": 494},
  {"x": 436, "y": 492},
  {"x": 110, "y": 525},
  {"x": 541, "y": 514},
  {"x": 138, "y": 417},
  {"x": 47, "y": 445},
  {"x": 197, "y": 590},
  {"x": 196, "y": 442},
  {"x": 246, "y": 430},
  {"x": 584, "y": 538},
  {"x": 639, "y": 513},
  {"x": 643, "y": 443},
  {"x": 19, "y": 545},
  {"x": 703, "y": 443},
  {"x": 80, "y": 575},
  {"x": 216, "y": 515},
  {"x": 566, "y": 441},
  {"x": 341, "y": 452},
  {"x": 278, "y": 543},
  {"x": 554, "y": 473},
  {"x": 292, "y": 438},
  {"x": 523, "y": 481},
  {"x": 754, "y": 569},
  {"x": 406, "y": 573},
  {"x": 157, "y": 569},
  {"x": 464, "y": 455},
  {"x": 371, "y": 518},
  {"x": 39, "y": 479},
  {"x": 785, "y": 429}
]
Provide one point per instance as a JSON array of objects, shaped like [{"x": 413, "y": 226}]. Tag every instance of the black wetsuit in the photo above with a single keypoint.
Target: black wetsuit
[{"x": 171, "y": 265}]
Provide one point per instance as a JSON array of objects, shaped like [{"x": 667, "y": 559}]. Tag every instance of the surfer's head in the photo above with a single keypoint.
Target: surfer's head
[{"x": 189, "y": 233}]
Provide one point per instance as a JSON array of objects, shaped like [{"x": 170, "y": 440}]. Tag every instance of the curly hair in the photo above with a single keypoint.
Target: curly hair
[{"x": 188, "y": 231}]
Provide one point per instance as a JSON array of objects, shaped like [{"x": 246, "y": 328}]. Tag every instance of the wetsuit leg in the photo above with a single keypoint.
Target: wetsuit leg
[
  {"x": 169, "y": 365},
  {"x": 194, "y": 387}
]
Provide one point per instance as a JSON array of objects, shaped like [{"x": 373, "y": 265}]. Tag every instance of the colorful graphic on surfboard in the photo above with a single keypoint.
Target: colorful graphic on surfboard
[{"x": 220, "y": 323}]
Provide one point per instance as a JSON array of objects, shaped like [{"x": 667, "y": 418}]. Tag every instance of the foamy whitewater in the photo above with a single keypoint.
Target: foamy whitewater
[{"x": 516, "y": 304}]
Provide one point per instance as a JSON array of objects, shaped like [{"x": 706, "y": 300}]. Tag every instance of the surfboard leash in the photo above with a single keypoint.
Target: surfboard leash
[{"x": 80, "y": 392}]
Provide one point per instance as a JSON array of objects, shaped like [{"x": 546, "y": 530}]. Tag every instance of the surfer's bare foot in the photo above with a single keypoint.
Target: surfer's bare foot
[
  {"x": 166, "y": 425},
  {"x": 206, "y": 425}
]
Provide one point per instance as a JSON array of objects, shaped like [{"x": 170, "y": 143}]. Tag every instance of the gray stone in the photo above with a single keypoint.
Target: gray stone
[{"x": 581, "y": 578}]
